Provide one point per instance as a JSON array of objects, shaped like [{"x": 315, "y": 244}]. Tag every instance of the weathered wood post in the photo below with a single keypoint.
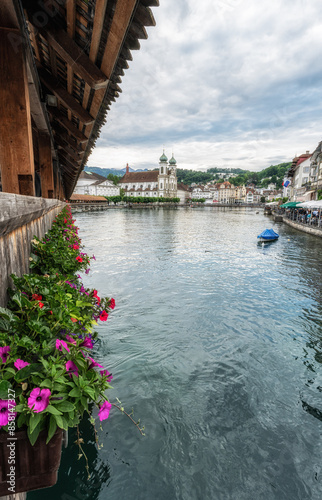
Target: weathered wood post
[{"x": 16, "y": 147}]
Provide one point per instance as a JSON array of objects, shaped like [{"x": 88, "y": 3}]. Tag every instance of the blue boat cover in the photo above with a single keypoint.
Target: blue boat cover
[{"x": 268, "y": 234}]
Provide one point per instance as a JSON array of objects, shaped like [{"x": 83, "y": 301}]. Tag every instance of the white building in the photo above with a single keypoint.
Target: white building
[
  {"x": 153, "y": 183},
  {"x": 299, "y": 173},
  {"x": 95, "y": 185}
]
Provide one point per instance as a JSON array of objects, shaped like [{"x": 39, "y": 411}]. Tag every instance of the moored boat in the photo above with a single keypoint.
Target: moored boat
[{"x": 268, "y": 235}]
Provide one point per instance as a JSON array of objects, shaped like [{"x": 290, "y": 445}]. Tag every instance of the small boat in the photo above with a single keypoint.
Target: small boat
[{"x": 268, "y": 235}]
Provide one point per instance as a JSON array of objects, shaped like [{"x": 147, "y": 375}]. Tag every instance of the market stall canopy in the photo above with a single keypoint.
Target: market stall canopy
[{"x": 291, "y": 204}]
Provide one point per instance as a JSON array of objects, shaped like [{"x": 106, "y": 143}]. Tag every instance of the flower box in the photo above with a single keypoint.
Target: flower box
[{"x": 35, "y": 466}]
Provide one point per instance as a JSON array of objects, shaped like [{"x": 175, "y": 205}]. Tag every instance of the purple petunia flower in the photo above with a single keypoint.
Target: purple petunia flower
[
  {"x": 4, "y": 353},
  {"x": 19, "y": 363},
  {"x": 93, "y": 363},
  {"x": 107, "y": 374},
  {"x": 4, "y": 411},
  {"x": 39, "y": 399},
  {"x": 60, "y": 344},
  {"x": 71, "y": 369},
  {"x": 87, "y": 271},
  {"x": 104, "y": 411},
  {"x": 87, "y": 342}
]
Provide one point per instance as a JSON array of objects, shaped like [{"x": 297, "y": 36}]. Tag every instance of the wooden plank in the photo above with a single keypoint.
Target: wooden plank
[
  {"x": 67, "y": 162},
  {"x": 71, "y": 17},
  {"x": 121, "y": 19},
  {"x": 16, "y": 147},
  {"x": 67, "y": 124},
  {"x": 45, "y": 166},
  {"x": 63, "y": 95},
  {"x": 100, "y": 9},
  {"x": 78, "y": 61},
  {"x": 72, "y": 151},
  {"x": 62, "y": 134}
]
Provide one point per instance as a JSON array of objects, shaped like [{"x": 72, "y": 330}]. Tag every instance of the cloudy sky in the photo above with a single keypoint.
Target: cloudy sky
[{"x": 226, "y": 83}]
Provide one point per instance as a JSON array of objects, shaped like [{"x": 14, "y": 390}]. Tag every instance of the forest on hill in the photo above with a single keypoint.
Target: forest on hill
[{"x": 273, "y": 174}]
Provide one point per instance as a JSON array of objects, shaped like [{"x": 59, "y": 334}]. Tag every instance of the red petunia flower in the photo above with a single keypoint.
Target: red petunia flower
[
  {"x": 41, "y": 305},
  {"x": 36, "y": 297},
  {"x": 79, "y": 259},
  {"x": 103, "y": 316}
]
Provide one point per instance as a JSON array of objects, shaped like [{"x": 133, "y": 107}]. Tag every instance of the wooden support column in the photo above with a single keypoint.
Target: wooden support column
[
  {"x": 16, "y": 148},
  {"x": 45, "y": 166}
]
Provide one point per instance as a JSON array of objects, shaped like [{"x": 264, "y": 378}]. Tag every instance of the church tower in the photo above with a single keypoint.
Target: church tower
[
  {"x": 172, "y": 177},
  {"x": 163, "y": 176}
]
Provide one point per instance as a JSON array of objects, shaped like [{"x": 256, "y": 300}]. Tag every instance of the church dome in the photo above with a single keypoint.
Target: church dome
[
  {"x": 163, "y": 157},
  {"x": 172, "y": 161}
]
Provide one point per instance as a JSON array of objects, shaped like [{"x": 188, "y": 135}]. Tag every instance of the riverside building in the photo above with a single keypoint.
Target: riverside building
[{"x": 153, "y": 183}]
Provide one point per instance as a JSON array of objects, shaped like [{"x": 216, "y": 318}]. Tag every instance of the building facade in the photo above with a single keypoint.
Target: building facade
[
  {"x": 95, "y": 185},
  {"x": 161, "y": 183}
]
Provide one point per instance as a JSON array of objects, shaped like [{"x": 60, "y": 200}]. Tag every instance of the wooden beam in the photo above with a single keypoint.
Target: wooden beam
[
  {"x": 16, "y": 146},
  {"x": 79, "y": 62},
  {"x": 73, "y": 151},
  {"x": 62, "y": 134},
  {"x": 69, "y": 154},
  {"x": 68, "y": 100},
  {"x": 45, "y": 166},
  {"x": 120, "y": 23},
  {"x": 67, "y": 124},
  {"x": 100, "y": 9},
  {"x": 67, "y": 162},
  {"x": 71, "y": 17}
]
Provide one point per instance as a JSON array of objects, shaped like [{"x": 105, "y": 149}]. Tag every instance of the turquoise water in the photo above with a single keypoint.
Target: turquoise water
[{"x": 215, "y": 342}]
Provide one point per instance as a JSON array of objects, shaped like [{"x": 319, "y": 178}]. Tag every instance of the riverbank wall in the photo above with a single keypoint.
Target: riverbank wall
[
  {"x": 21, "y": 218},
  {"x": 302, "y": 227}
]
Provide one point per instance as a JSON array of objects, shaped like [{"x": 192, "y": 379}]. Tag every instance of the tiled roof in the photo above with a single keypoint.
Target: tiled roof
[
  {"x": 150, "y": 176},
  {"x": 86, "y": 197}
]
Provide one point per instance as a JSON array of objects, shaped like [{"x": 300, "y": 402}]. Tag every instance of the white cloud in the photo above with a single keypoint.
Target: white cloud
[{"x": 220, "y": 79}]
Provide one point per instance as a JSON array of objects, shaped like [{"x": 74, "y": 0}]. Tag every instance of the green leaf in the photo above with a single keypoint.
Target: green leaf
[
  {"x": 33, "y": 436},
  {"x": 4, "y": 386},
  {"x": 90, "y": 392},
  {"x": 46, "y": 383},
  {"x": 52, "y": 428},
  {"x": 75, "y": 393},
  {"x": 34, "y": 421},
  {"x": 61, "y": 422},
  {"x": 53, "y": 410},
  {"x": 25, "y": 372},
  {"x": 65, "y": 406}
]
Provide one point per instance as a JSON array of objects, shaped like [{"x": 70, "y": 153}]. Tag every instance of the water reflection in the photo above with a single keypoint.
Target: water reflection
[{"x": 216, "y": 344}]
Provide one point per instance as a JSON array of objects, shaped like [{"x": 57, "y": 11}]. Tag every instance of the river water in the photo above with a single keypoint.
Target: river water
[{"x": 215, "y": 342}]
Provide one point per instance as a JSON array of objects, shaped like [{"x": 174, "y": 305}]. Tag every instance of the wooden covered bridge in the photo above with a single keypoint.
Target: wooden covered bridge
[{"x": 61, "y": 66}]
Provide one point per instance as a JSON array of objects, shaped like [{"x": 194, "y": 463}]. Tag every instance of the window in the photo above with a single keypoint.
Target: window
[
  {"x": 306, "y": 169},
  {"x": 133, "y": 187},
  {"x": 161, "y": 170},
  {"x": 161, "y": 186},
  {"x": 305, "y": 179}
]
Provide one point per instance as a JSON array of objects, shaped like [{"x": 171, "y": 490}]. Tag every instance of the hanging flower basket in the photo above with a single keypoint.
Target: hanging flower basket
[{"x": 25, "y": 467}]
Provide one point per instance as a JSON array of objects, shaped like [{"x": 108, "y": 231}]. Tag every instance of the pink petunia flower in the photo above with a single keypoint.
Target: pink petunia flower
[
  {"x": 60, "y": 344},
  {"x": 93, "y": 363},
  {"x": 103, "y": 316},
  {"x": 39, "y": 399},
  {"x": 4, "y": 411},
  {"x": 71, "y": 369},
  {"x": 112, "y": 304},
  {"x": 104, "y": 411},
  {"x": 19, "y": 363},
  {"x": 4, "y": 353},
  {"x": 107, "y": 374},
  {"x": 75, "y": 247}
]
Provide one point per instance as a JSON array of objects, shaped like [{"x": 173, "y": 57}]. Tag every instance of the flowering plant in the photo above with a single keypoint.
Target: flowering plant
[{"x": 49, "y": 377}]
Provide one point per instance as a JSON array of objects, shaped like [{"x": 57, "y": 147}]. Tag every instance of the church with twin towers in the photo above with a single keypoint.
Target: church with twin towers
[{"x": 153, "y": 183}]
